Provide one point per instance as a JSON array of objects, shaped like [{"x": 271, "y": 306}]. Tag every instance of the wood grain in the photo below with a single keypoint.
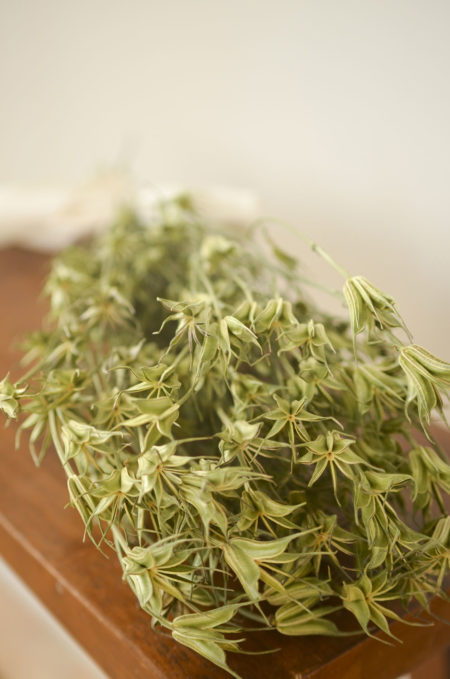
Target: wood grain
[{"x": 42, "y": 541}]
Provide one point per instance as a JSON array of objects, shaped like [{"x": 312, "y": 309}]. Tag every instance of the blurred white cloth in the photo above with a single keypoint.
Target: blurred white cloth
[{"x": 49, "y": 218}]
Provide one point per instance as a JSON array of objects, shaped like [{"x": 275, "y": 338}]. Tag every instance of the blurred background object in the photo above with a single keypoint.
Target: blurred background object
[{"x": 49, "y": 218}]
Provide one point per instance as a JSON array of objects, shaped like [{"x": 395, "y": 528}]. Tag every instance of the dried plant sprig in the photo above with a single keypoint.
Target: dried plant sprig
[{"x": 218, "y": 433}]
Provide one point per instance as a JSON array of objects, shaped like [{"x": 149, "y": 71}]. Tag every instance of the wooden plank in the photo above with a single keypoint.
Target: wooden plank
[
  {"x": 438, "y": 667},
  {"x": 42, "y": 541}
]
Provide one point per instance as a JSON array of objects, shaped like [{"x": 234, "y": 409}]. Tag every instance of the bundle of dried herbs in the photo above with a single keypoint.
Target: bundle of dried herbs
[{"x": 253, "y": 461}]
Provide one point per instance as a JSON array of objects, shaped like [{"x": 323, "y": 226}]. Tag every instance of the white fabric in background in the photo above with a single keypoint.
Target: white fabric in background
[{"x": 49, "y": 218}]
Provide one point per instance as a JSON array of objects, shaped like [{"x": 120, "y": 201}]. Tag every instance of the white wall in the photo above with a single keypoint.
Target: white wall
[
  {"x": 33, "y": 644},
  {"x": 336, "y": 111}
]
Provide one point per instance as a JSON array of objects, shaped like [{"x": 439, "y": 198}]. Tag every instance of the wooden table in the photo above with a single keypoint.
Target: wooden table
[{"x": 42, "y": 541}]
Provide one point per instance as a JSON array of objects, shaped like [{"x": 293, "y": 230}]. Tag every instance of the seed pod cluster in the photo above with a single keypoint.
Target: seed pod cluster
[{"x": 252, "y": 460}]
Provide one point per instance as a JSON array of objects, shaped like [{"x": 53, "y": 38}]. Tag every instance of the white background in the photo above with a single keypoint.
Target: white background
[{"x": 335, "y": 112}]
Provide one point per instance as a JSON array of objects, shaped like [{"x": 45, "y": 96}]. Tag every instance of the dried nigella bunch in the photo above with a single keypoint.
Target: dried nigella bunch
[{"x": 252, "y": 460}]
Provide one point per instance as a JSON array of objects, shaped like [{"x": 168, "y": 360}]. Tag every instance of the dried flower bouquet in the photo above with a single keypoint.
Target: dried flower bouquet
[{"x": 253, "y": 461}]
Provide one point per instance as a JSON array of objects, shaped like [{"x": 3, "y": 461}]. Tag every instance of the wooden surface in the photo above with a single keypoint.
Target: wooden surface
[{"x": 42, "y": 541}]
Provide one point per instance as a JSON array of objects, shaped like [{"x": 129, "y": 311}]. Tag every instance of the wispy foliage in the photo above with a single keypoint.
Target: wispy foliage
[{"x": 252, "y": 460}]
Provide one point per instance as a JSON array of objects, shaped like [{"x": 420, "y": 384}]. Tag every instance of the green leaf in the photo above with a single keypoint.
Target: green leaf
[{"x": 354, "y": 601}]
